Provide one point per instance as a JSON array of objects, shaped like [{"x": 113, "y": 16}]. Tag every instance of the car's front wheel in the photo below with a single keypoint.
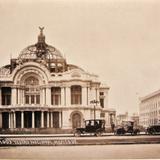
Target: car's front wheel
[
  {"x": 98, "y": 134},
  {"x": 77, "y": 134}
]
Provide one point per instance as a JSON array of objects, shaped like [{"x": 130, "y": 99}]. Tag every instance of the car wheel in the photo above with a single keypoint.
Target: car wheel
[
  {"x": 118, "y": 132},
  {"x": 98, "y": 134},
  {"x": 77, "y": 134},
  {"x": 135, "y": 133}
]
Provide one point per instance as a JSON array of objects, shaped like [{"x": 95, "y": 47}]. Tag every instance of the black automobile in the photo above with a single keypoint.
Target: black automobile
[
  {"x": 153, "y": 129},
  {"x": 96, "y": 127},
  {"x": 127, "y": 127}
]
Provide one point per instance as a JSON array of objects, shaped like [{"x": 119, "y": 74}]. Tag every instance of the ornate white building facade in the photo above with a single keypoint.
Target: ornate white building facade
[
  {"x": 40, "y": 91},
  {"x": 149, "y": 109}
]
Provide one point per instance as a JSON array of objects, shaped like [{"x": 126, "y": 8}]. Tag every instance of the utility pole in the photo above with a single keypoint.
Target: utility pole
[{"x": 94, "y": 102}]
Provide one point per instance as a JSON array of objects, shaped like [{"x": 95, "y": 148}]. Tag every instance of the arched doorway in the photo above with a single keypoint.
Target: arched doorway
[{"x": 76, "y": 120}]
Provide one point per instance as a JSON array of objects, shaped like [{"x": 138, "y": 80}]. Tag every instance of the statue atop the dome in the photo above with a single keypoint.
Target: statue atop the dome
[
  {"x": 41, "y": 30},
  {"x": 41, "y": 45},
  {"x": 41, "y": 37}
]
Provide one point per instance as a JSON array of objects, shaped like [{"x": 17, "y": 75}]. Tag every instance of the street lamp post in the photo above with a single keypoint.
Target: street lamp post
[{"x": 94, "y": 102}]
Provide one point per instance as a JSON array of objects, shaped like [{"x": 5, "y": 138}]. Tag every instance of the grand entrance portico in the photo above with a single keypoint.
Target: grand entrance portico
[{"x": 31, "y": 119}]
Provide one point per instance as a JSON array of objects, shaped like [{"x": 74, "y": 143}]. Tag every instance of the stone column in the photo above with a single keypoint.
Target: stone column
[
  {"x": 60, "y": 120},
  {"x": 23, "y": 96},
  {"x": 22, "y": 102},
  {"x": 0, "y": 119},
  {"x": 14, "y": 97},
  {"x": 89, "y": 96},
  {"x": 114, "y": 118},
  {"x": 42, "y": 119},
  {"x": 14, "y": 119},
  {"x": 111, "y": 117},
  {"x": 9, "y": 121},
  {"x": 97, "y": 94},
  {"x": 33, "y": 120},
  {"x": 22, "y": 119},
  {"x": 92, "y": 94},
  {"x": 47, "y": 119},
  {"x": 106, "y": 99},
  {"x": 43, "y": 96},
  {"x": 19, "y": 96},
  {"x": 84, "y": 96},
  {"x": 68, "y": 96},
  {"x": 48, "y": 96},
  {"x": 108, "y": 118},
  {"x": 51, "y": 115},
  {"x": 35, "y": 100},
  {"x": 29, "y": 99},
  {"x": 19, "y": 92},
  {"x": 66, "y": 121},
  {"x": 0, "y": 96},
  {"x": 62, "y": 96}
]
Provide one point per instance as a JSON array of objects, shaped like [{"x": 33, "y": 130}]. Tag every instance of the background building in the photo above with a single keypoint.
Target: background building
[
  {"x": 135, "y": 118},
  {"x": 40, "y": 91},
  {"x": 121, "y": 117},
  {"x": 149, "y": 109}
]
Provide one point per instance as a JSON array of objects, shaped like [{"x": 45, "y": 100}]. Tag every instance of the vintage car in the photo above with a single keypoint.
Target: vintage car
[
  {"x": 95, "y": 127},
  {"x": 153, "y": 129},
  {"x": 127, "y": 127}
]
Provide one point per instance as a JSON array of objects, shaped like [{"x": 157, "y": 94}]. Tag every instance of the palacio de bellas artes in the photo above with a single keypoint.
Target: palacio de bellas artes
[{"x": 41, "y": 93}]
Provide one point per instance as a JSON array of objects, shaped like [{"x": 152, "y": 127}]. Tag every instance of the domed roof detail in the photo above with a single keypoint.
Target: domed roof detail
[
  {"x": 43, "y": 54},
  {"x": 40, "y": 50},
  {"x": 32, "y": 52}
]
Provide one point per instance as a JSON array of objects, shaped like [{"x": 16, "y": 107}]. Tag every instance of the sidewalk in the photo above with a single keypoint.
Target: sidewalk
[
  {"x": 60, "y": 140},
  {"x": 46, "y": 135}
]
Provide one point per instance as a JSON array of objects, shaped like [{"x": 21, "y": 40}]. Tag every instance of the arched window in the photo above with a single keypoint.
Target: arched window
[
  {"x": 55, "y": 95},
  {"x": 76, "y": 95},
  {"x": 32, "y": 91}
]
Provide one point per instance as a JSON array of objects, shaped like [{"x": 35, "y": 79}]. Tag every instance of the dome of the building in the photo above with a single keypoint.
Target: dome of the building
[
  {"x": 32, "y": 52},
  {"x": 40, "y": 50}
]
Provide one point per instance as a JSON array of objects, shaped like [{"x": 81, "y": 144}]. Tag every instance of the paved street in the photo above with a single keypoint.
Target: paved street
[{"x": 82, "y": 152}]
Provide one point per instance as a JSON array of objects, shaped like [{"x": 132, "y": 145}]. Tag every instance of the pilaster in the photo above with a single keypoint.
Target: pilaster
[
  {"x": 47, "y": 119},
  {"x": 14, "y": 96},
  {"x": 42, "y": 119},
  {"x": 84, "y": 96},
  {"x": 22, "y": 119},
  {"x": 0, "y": 96},
  {"x": 51, "y": 116},
  {"x": 33, "y": 120},
  {"x": 48, "y": 96},
  {"x": 14, "y": 119},
  {"x": 62, "y": 96},
  {"x": 68, "y": 96}
]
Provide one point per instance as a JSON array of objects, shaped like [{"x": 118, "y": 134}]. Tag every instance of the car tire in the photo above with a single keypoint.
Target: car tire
[
  {"x": 135, "y": 133},
  {"x": 98, "y": 134},
  {"x": 77, "y": 134}
]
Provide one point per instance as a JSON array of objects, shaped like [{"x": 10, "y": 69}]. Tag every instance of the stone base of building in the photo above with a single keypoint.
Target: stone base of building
[{"x": 36, "y": 131}]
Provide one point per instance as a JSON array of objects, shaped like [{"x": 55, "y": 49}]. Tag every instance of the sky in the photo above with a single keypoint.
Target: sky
[{"x": 119, "y": 40}]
